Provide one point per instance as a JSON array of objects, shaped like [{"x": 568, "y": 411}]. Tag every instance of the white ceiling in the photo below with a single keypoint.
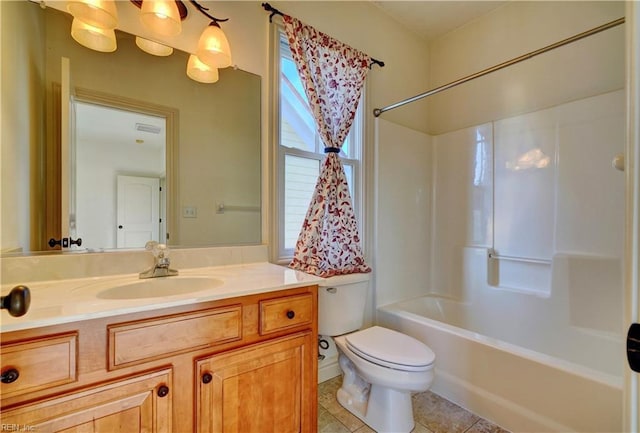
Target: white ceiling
[
  {"x": 106, "y": 125},
  {"x": 430, "y": 19}
]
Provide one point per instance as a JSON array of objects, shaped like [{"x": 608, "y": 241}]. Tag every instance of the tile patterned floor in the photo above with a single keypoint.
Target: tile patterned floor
[{"x": 432, "y": 413}]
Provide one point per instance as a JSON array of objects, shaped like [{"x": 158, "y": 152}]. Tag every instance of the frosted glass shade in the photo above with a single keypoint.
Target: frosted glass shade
[
  {"x": 152, "y": 47},
  {"x": 161, "y": 17},
  {"x": 198, "y": 71},
  {"x": 93, "y": 37},
  {"x": 97, "y": 13},
  {"x": 213, "y": 47}
]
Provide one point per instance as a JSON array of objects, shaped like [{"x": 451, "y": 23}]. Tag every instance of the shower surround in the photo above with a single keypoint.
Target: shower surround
[{"x": 523, "y": 231}]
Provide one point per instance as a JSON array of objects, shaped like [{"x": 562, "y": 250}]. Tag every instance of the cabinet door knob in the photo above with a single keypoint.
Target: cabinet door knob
[
  {"x": 10, "y": 375},
  {"x": 207, "y": 377},
  {"x": 291, "y": 314},
  {"x": 163, "y": 390},
  {"x": 17, "y": 301}
]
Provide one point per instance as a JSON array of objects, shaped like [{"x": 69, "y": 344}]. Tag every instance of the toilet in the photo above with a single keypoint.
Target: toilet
[{"x": 380, "y": 367}]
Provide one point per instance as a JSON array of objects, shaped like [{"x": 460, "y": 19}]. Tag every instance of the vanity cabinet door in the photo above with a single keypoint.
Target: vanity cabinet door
[
  {"x": 263, "y": 388},
  {"x": 137, "y": 404}
]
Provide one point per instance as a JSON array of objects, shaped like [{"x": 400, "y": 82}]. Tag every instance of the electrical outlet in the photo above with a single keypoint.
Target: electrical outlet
[{"x": 189, "y": 212}]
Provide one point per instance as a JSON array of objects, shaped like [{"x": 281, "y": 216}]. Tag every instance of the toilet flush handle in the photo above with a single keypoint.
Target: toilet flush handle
[{"x": 331, "y": 290}]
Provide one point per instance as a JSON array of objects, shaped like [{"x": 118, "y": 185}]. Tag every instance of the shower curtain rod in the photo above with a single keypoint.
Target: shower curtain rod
[{"x": 378, "y": 111}]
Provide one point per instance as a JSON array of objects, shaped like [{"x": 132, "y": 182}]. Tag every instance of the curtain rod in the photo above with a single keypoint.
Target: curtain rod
[
  {"x": 267, "y": 7},
  {"x": 378, "y": 111}
]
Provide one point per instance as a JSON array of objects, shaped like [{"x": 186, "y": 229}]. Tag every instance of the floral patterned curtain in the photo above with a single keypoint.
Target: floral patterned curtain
[{"x": 333, "y": 76}]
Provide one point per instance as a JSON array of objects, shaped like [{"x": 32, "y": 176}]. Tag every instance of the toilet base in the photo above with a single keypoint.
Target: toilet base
[{"x": 384, "y": 409}]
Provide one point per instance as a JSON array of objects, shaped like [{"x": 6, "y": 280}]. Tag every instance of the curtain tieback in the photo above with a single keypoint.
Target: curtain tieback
[{"x": 331, "y": 150}]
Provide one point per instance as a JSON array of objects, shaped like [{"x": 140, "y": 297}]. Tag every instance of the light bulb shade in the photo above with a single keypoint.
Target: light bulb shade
[
  {"x": 97, "y": 13},
  {"x": 213, "y": 47},
  {"x": 198, "y": 71},
  {"x": 93, "y": 37},
  {"x": 161, "y": 17},
  {"x": 152, "y": 47}
]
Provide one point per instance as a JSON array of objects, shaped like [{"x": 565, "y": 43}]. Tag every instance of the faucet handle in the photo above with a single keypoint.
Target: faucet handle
[
  {"x": 158, "y": 250},
  {"x": 162, "y": 250}
]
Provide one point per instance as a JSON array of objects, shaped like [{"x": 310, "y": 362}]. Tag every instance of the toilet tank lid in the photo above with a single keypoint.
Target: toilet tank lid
[
  {"x": 391, "y": 346},
  {"x": 339, "y": 280}
]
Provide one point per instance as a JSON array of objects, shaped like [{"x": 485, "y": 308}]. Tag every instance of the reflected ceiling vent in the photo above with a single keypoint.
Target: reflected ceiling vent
[{"x": 148, "y": 128}]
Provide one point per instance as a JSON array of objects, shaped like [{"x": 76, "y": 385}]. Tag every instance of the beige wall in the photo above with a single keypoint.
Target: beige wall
[
  {"x": 583, "y": 69},
  {"x": 22, "y": 119},
  {"x": 359, "y": 24},
  {"x": 364, "y": 26},
  {"x": 586, "y": 68}
]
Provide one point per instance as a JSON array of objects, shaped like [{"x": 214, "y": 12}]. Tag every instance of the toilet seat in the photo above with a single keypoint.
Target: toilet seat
[{"x": 391, "y": 349}]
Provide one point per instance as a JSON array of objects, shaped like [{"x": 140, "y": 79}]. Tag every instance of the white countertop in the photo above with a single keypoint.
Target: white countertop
[{"x": 63, "y": 301}]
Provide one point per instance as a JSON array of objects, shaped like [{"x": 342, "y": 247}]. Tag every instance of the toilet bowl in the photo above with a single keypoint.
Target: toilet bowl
[{"x": 381, "y": 368}]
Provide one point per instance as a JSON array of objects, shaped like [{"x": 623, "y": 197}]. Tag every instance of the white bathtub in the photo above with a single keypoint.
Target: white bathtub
[{"x": 558, "y": 388}]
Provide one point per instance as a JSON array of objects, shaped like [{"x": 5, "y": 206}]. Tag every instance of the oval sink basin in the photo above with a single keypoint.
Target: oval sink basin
[{"x": 159, "y": 287}]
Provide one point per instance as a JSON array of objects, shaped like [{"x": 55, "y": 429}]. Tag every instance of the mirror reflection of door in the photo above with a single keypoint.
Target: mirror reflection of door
[
  {"x": 138, "y": 216},
  {"x": 119, "y": 168}
]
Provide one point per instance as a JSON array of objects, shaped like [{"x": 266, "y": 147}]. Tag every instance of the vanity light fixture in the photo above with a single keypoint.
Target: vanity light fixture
[
  {"x": 152, "y": 47},
  {"x": 213, "y": 51},
  {"x": 213, "y": 47},
  {"x": 97, "y": 39},
  {"x": 102, "y": 14},
  {"x": 201, "y": 72},
  {"x": 161, "y": 17},
  {"x": 95, "y": 20}
]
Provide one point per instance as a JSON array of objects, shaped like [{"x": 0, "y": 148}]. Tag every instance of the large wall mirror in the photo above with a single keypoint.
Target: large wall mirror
[{"x": 137, "y": 122}]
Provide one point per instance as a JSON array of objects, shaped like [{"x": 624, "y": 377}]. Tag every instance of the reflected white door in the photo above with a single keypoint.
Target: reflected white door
[{"x": 138, "y": 211}]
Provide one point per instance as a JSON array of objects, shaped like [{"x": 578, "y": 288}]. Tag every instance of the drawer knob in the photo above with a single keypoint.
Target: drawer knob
[
  {"x": 10, "y": 375},
  {"x": 163, "y": 391},
  {"x": 291, "y": 314},
  {"x": 17, "y": 301},
  {"x": 206, "y": 378}
]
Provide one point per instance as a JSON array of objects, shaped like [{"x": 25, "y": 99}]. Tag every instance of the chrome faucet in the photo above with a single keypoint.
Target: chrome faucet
[{"x": 160, "y": 267}]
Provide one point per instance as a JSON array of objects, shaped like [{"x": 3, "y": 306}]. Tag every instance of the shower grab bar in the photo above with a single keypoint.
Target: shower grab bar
[{"x": 493, "y": 255}]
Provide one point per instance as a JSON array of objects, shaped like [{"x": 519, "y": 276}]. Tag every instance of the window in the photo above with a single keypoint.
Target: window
[{"x": 301, "y": 153}]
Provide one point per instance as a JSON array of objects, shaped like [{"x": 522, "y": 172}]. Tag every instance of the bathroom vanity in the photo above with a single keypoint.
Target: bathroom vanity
[{"x": 240, "y": 356}]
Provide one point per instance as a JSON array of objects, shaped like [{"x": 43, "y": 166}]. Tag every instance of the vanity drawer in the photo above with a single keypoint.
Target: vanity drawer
[
  {"x": 141, "y": 341},
  {"x": 41, "y": 363},
  {"x": 283, "y": 313}
]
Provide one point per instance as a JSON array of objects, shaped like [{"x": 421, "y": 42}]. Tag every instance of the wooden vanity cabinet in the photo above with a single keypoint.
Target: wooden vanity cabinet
[
  {"x": 257, "y": 389},
  {"x": 244, "y": 364},
  {"x": 135, "y": 404}
]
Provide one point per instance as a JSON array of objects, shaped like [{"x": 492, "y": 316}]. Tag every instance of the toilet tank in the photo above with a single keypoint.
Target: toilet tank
[{"x": 341, "y": 303}]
